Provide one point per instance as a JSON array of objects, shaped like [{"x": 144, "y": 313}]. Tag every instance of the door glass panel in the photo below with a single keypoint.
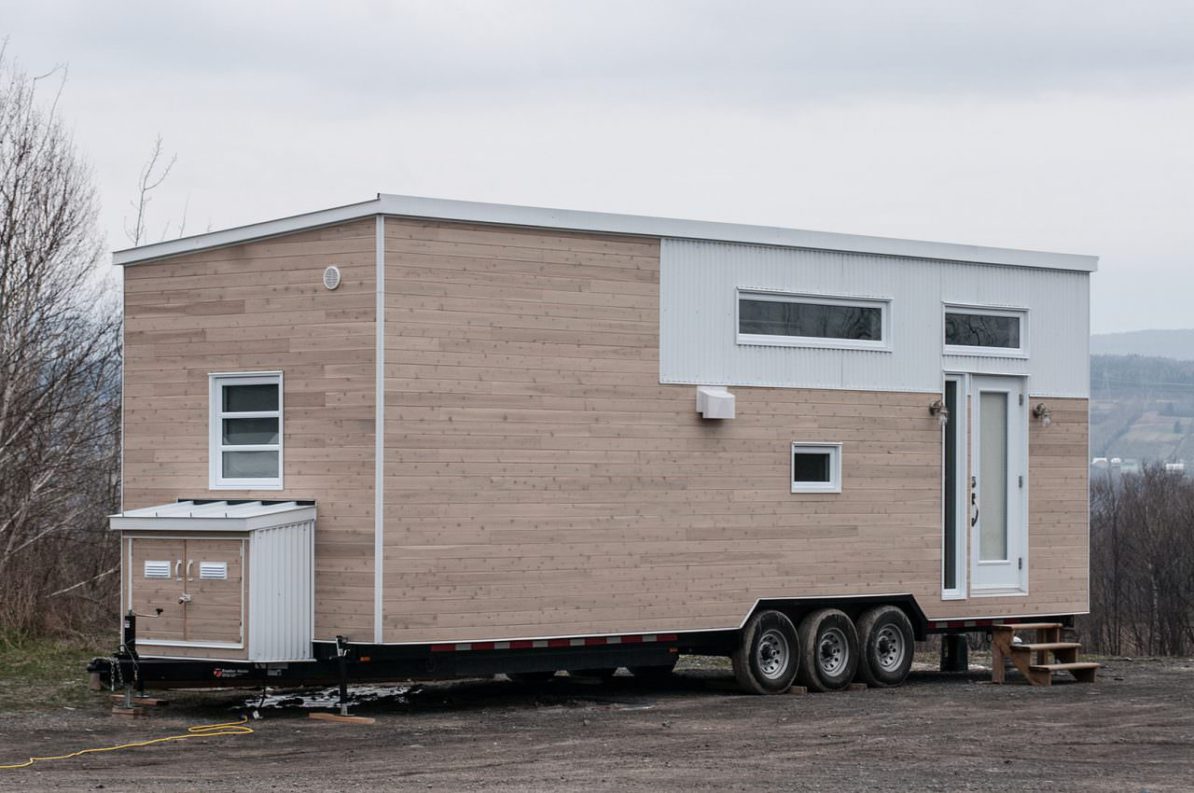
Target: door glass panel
[
  {"x": 992, "y": 475},
  {"x": 950, "y": 570}
]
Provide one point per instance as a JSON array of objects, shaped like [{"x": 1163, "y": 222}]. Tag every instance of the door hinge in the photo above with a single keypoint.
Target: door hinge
[
  {"x": 1021, "y": 399},
  {"x": 1020, "y": 563},
  {"x": 1021, "y": 478}
]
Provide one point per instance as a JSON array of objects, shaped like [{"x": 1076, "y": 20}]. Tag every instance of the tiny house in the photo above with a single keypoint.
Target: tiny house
[{"x": 417, "y": 437}]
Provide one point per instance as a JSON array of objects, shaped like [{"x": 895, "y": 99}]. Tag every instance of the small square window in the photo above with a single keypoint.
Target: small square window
[{"x": 816, "y": 468}]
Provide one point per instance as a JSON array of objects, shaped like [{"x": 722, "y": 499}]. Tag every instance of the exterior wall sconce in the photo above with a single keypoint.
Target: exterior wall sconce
[
  {"x": 938, "y": 409},
  {"x": 1041, "y": 411}
]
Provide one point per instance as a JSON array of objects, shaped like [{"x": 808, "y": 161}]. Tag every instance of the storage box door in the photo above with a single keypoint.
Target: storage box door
[
  {"x": 215, "y": 586},
  {"x": 155, "y": 581}
]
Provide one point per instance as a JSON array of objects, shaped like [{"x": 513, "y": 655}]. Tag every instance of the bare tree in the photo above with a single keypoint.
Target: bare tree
[
  {"x": 1142, "y": 563},
  {"x": 152, "y": 175},
  {"x": 59, "y": 370}
]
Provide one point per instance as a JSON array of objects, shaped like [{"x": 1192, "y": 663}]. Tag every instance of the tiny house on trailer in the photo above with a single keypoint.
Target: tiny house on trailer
[{"x": 417, "y": 437}]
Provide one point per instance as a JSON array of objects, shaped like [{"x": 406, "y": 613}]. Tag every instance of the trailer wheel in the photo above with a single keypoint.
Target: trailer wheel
[
  {"x": 530, "y": 678},
  {"x": 768, "y": 654},
  {"x": 830, "y": 645},
  {"x": 887, "y": 644}
]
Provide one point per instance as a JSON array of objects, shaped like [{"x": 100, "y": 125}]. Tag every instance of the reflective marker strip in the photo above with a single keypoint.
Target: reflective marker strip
[{"x": 535, "y": 644}]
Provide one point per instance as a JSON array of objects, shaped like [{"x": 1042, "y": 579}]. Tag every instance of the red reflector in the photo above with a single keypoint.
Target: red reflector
[
  {"x": 559, "y": 643},
  {"x": 442, "y": 648}
]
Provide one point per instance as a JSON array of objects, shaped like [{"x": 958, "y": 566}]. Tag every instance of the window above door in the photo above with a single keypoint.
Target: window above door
[{"x": 985, "y": 331}]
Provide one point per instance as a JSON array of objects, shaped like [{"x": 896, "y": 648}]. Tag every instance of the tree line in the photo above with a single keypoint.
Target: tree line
[{"x": 1141, "y": 563}]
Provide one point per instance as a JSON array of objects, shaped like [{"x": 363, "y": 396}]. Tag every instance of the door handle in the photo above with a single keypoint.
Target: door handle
[
  {"x": 178, "y": 569},
  {"x": 189, "y": 563},
  {"x": 973, "y": 502}
]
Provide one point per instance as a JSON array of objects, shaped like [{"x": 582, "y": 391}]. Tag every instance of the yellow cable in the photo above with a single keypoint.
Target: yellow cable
[{"x": 198, "y": 731}]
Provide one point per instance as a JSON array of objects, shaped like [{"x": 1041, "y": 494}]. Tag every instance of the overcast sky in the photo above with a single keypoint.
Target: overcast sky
[{"x": 1063, "y": 126}]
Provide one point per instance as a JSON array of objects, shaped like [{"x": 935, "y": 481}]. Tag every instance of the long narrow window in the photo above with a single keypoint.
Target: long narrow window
[
  {"x": 246, "y": 431},
  {"x": 779, "y": 319},
  {"x": 983, "y": 331}
]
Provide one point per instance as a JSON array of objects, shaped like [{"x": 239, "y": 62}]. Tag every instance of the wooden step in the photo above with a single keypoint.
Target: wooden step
[
  {"x": 1030, "y": 626},
  {"x": 1047, "y": 646},
  {"x": 1074, "y": 666}
]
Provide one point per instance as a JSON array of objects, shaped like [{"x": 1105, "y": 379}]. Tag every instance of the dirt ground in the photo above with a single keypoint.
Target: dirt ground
[{"x": 1131, "y": 731}]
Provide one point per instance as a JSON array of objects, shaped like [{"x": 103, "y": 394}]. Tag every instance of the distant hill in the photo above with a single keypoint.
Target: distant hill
[
  {"x": 1177, "y": 344},
  {"x": 1142, "y": 407}
]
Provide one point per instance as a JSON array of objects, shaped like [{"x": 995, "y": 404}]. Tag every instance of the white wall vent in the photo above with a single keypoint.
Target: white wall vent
[
  {"x": 157, "y": 569},
  {"x": 715, "y": 402},
  {"x": 331, "y": 277},
  {"x": 213, "y": 571}
]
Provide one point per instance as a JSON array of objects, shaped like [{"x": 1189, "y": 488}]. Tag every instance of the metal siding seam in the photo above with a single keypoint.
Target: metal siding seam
[{"x": 379, "y": 430}]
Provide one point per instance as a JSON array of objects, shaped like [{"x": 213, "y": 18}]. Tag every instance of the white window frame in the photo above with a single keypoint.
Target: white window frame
[
  {"x": 834, "y": 450},
  {"x": 216, "y": 447},
  {"x": 988, "y": 311},
  {"x": 764, "y": 340}
]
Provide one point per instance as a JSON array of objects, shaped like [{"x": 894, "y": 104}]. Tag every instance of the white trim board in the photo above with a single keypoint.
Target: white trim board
[
  {"x": 608, "y": 223},
  {"x": 379, "y": 433}
]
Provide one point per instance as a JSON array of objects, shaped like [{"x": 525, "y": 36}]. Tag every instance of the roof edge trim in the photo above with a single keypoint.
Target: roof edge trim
[{"x": 608, "y": 223}]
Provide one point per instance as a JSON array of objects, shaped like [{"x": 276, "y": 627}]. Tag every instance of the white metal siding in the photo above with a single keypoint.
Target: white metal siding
[
  {"x": 698, "y": 340},
  {"x": 281, "y": 575}
]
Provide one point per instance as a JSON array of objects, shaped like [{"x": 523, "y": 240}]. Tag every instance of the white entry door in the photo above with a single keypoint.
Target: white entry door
[{"x": 999, "y": 478}]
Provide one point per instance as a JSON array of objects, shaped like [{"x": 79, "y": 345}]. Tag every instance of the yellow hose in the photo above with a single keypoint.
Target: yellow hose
[{"x": 198, "y": 731}]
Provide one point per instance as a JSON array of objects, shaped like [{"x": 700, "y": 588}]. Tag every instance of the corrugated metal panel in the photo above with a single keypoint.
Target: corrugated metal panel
[
  {"x": 698, "y": 341},
  {"x": 280, "y": 593}
]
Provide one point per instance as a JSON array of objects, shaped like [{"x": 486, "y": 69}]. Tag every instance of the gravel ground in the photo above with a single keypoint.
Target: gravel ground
[{"x": 1131, "y": 731}]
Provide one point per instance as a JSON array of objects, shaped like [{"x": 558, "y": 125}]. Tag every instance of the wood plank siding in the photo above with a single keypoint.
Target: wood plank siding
[
  {"x": 538, "y": 478},
  {"x": 539, "y": 481},
  {"x": 253, "y": 307}
]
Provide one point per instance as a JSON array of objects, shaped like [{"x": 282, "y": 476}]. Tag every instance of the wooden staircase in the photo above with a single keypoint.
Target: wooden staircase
[{"x": 1032, "y": 659}]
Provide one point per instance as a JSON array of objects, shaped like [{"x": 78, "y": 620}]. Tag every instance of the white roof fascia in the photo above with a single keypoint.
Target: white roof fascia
[
  {"x": 606, "y": 223},
  {"x": 214, "y": 516},
  {"x": 239, "y": 234}
]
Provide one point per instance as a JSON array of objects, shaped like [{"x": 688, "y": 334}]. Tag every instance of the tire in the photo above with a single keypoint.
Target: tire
[
  {"x": 886, "y": 640},
  {"x": 830, "y": 645},
  {"x": 530, "y": 678},
  {"x": 768, "y": 654},
  {"x": 653, "y": 674}
]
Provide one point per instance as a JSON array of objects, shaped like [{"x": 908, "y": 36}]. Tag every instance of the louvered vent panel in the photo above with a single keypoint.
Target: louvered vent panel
[
  {"x": 213, "y": 570},
  {"x": 157, "y": 569}
]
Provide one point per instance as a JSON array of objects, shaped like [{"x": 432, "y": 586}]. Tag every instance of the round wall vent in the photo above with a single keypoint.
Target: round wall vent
[{"x": 331, "y": 277}]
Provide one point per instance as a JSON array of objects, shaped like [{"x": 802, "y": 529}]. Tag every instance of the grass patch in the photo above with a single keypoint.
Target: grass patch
[{"x": 40, "y": 672}]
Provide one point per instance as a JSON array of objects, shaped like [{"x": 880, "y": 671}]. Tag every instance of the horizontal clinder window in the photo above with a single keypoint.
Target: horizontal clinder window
[
  {"x": 246, "y": 431},
  {"x": 792, "y": 320},
  {"x": 971, "y": 330}
]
